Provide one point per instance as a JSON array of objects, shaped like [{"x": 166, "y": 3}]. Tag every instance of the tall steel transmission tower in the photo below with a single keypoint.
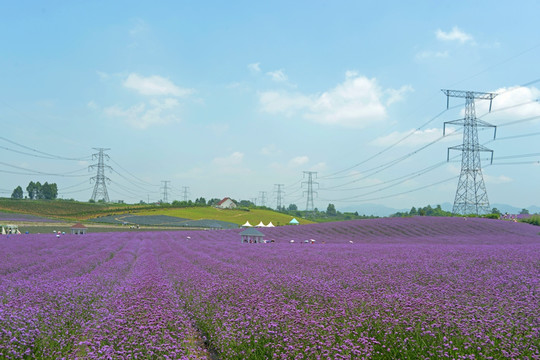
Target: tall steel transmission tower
[
  {"x": 279, "y": 195},
  {"x": 471, "y": 195},
  {"x": 165, "y": 190},
  {"x": 262, "y": 195},
  {"x": 100, "y": 188},
  {"x": 311, "y": 175},
  {"x": 185, "y": 191}
]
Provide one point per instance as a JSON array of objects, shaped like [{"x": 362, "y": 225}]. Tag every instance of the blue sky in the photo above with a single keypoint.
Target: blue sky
[{"x": 230, "y": 98}]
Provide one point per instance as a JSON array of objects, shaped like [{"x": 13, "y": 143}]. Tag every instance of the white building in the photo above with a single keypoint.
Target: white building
[{"x": 226, "y": 203}]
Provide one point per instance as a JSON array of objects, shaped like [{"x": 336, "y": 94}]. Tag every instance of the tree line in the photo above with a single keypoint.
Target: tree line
[{"x": 36, "y": 191}]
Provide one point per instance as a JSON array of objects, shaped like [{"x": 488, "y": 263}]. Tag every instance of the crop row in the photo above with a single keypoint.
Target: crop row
[{"x": 188, "y": 294}]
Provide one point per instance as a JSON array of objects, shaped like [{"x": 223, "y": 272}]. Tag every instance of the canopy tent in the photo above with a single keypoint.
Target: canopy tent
[
  {"x": 260, "y": 224},
  {"x": 270, "y": 224},
  {"x": 294, "y": 222},
  {"x": 252, "y": 236},
  {"x": 247, "y": 224}
]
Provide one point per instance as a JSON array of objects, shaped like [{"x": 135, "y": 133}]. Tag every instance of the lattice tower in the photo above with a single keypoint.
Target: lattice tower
[{"x": 471, "y": 194}]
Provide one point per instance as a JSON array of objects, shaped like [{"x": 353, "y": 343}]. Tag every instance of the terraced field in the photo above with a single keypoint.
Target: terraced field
[
  {"x": 163, "y": 220},
  {"x": 239, "y": 217}
]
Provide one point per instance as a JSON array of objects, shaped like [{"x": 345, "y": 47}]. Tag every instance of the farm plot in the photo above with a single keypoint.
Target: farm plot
[
  {"x": 163, "y": 220},
  {"x": 196, "y": 293},
  {"x": 15, "y": 217}
]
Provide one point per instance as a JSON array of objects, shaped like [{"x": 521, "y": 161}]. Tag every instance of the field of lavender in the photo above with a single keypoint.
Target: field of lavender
[{"x": 422, "y": 288}]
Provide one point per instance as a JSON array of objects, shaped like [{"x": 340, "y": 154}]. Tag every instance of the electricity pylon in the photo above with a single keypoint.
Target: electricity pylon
[
  {"x": 279, "y": 195},
  {"x": 100, "y": 188},
  {"x": 165, "y": 190},
  {"x": 262, "y": 195},
  {"x": 471, "y": 194},
  {"x": 310, "y": 192},
  {"x": 185, "y": 191}
]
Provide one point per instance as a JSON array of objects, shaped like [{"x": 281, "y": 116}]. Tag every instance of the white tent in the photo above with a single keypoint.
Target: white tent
[
  {"x": 260, "y": 224},
  {"x": 247, "y": 224},
  {"x": 270, "y": 224}
]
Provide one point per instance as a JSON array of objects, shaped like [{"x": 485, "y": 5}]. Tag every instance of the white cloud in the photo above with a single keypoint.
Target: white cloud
[
  {"x": 513, "y": 103},
  {"x": 397, "y": 95},
  {"x": 454, "y": 35},
  {"x": 277, "y": 76},
  {"x": 92, "y": 105},
  {"x": 228, "y": 161},
  {"x": 321, "y": 166},
  {"x": 103, "y": 76},
  {"x": 255, "y": 67},
  {"x": 143, "y": 115},
  {"x": 356, "y": 102},
  {"x": 154, "y": 86},
  {"x": 298, "y": 161},
  {"x": 139, "y": 26},
  {"x": 414, "y": 137},
  {"x": 271, "y": 149}
]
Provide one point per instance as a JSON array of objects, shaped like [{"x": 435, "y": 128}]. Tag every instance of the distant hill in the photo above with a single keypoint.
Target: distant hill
[
  {"x": 254, "y": 216},
  {"x": 371, "y": 209},
  {"x": 381, "y": 210},
  {"x": 74, "y": 210},
  {"x": 65, "y": 209}
]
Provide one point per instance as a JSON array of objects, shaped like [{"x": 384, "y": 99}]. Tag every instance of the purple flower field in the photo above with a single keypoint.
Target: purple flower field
[{"x": 417, "y": 288}]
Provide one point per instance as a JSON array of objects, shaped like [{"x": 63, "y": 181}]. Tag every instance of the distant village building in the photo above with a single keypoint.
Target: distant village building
[
  {"x": 226, "y": 203},
  {"x": 252, "y": 236},
  {"x": 78, "y": 229}
]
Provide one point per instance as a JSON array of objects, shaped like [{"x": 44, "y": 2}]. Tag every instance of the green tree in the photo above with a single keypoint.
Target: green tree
[
  {"x": 245, "y": 204},
  {"x": 31, "y": 190},
  {"x": 495, "y": 211},
  {"x": 49, "y": 191},
  {"x": 524, "y": 212},
  {"x": 213, "y": 201},
  {"x": 37, "y": 191},
  {"x": 17, "y": 193},
  {"x": 331, "y": 210},
  {"x": 292, "y": 207},
  {"x": 200, "y": 201}
]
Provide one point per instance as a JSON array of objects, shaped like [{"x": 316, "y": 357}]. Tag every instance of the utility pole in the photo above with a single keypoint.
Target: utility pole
[
  {"x": 185, "y": 191},
  {"x": 471, "y": 194},
  {"x": 262, "y": 195},
  {"x": 254, "y": 201},
  {"x": 311, "y": 175},
  {"x": 100, "y": 188},
  {"x": 165, "y": 188},
  {"x": 279, "y": 197}
]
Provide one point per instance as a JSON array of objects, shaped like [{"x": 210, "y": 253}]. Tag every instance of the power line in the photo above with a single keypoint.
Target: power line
[
  {"x": 39, "y": 153},
  {"x": 135, "y": 177},
  {"x": 329, "y": 177},
  {"x": 34, "y": 172}
]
